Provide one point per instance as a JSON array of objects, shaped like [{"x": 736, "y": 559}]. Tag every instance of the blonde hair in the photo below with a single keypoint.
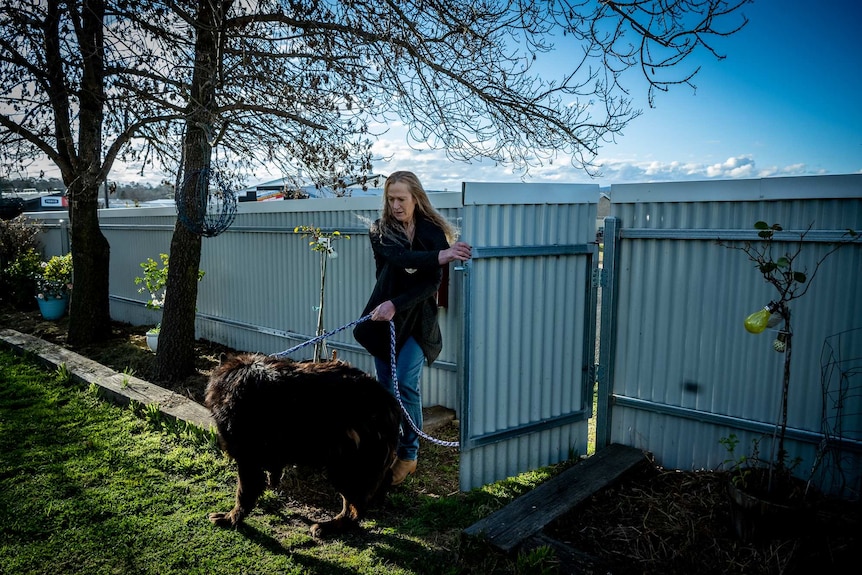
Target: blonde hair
[{"x": 390, "y": 227}]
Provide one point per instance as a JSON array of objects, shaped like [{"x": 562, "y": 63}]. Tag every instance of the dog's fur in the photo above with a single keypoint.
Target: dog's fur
[{"x": 276, "y": 412}]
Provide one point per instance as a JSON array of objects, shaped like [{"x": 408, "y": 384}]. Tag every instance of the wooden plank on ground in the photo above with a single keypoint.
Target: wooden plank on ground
[{"x": 524, "y": 517}]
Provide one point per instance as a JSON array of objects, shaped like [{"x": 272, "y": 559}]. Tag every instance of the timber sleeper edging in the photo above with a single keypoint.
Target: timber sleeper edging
[
  {"x": 519, "y": 524},
  {"x": 120, "y": 388}
]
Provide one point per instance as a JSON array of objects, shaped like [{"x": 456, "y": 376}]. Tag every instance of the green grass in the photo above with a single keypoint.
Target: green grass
[{"x": 89, "y": 487}]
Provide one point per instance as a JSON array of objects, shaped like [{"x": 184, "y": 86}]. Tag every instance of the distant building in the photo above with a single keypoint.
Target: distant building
[
  {"x": 49, "y": 203},
  {"x": 286, "y": 189},
  {"x": 13, "y": 202},
  {"x": 604, "y": 209}
]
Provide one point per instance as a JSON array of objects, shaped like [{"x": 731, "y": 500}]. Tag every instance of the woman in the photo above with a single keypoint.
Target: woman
[{"x": 411, "y": 241}]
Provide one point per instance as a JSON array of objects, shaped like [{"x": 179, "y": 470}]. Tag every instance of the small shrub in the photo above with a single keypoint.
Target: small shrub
[
  {"x": 155, "y": 279},
  {"x": 19, "y": 280},
  {"x": 18, "y": 236},
  {"x": 784, "y": 272},
  {"x": 322, "y": 243},
  {"x": 154, "y": 282}
]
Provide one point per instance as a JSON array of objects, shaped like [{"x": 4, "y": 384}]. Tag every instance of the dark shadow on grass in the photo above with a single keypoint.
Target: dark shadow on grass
[
  {"x": 265, "y": 540},
  {"x": 395, "y": 550},
  {"x": 374, "y": 531}
]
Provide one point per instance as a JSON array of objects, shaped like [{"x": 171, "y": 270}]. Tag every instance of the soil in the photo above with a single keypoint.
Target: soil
[
  {"x": 679, "y": 523},
  {"x": 653, "y": 521}
]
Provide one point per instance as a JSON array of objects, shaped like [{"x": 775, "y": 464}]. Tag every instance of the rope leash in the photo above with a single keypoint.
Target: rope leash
[
  {"x": 394, "y": 372},
  {"x": 320, "y": 337},
  {"x": 392, "y": 368}
]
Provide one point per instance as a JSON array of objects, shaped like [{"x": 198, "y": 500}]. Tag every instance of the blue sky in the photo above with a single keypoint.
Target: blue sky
[{"x": 786, "y": 100}]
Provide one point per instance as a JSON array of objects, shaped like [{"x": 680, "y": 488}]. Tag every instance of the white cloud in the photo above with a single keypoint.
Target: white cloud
[
  {"x": 738, "y": 167},
  {"x": 438, "y": 173}
]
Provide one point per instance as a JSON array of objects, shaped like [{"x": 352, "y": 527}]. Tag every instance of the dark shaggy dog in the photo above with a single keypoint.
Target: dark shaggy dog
[{"x": 276, "y": 412}]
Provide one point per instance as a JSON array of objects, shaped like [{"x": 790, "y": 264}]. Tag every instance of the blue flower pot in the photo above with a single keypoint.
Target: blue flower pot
[{"x": 53, "y": 308}]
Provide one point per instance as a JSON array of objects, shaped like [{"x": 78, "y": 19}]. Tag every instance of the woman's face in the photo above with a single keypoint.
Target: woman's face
[{"x": 401, "y": 202}]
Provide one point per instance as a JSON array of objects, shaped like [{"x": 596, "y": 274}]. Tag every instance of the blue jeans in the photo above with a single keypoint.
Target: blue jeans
[{"x": 408, "y": 367}]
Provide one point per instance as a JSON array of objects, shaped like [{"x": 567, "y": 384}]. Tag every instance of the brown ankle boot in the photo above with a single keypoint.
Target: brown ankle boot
[{"x": 401, "y": 469}]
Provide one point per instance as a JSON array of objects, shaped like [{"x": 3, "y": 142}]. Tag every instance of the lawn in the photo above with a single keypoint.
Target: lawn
[{"x": 89, "y": 487}]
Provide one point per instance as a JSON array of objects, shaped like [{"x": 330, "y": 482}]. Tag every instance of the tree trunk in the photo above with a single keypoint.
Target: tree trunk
[
  {"x": 89, "y": 313},
  {"x": 175, "y": 358},
  {"x": 785, "y": 389},
  {"x": 320, "y": 351},
  {"x": 89, "y": 310}
]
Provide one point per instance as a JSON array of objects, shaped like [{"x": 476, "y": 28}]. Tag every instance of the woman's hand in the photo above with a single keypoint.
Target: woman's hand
[
  {"x": 383, "y": 312},
  {"x": 461, "y": 251}
]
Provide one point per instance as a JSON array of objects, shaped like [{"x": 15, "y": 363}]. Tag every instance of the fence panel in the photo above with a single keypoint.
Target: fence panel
[
  {"x": 529, "y": 340},
  {"x": 684, "y": 371}
]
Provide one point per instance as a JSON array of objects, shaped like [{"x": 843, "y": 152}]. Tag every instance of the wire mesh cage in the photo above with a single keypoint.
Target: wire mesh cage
[
  {"x": 839, "y": 454},
  {"x": 205, "y": 203}
]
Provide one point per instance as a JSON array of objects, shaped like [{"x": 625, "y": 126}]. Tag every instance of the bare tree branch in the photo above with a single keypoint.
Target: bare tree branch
[{"x": 300, "y": 83}]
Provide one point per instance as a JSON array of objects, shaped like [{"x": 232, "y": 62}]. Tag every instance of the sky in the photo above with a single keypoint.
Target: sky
[{"x": 785, "y": 101}]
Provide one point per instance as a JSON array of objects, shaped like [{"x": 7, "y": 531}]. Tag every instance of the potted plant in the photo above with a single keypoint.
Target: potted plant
[
  {"x": 53, "y": 284},
  {"x": 153, "y": 337},
  {"x": 762, "y": 490},
  {"x": 322, "y": 243},
  {"x": 153, "y": 282}
]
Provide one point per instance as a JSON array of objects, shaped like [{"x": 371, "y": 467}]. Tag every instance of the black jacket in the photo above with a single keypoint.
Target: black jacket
[{"x": 409, "y": 275}]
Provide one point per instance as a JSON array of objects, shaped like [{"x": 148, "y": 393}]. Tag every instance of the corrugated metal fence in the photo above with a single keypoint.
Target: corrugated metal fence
[
  {"x": 262, "y": 282},
  {"x": 261, "y": 285},
  {"x": 676, "y": 370},
  {"x": 680, "y": 371},
  {"x": 529, "y": 340}
]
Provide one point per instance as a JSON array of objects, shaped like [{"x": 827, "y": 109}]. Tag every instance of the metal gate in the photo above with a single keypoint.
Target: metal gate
[{"x": 529, "y": 335}]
